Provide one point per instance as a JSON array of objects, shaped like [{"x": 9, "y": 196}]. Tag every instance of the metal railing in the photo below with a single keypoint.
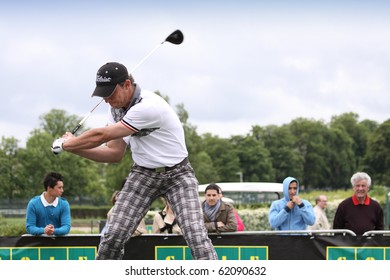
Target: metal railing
[
  {"x": 297, "y": 232},
  {"x": 376, "y": 232},
  {"x": 270, "y": 232}
]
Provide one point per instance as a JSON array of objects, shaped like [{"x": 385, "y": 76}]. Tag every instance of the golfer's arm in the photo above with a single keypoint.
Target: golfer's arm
[
  {"x": 91, "y": 144},
  {"x": 111, "y": 152}
]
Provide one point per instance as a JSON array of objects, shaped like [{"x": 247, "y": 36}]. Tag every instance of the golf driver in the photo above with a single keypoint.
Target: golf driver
[{"x": 176, "y": 38}]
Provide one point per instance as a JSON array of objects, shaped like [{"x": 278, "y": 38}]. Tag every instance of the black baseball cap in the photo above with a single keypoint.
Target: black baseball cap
[{"x": 107, "y": 77}]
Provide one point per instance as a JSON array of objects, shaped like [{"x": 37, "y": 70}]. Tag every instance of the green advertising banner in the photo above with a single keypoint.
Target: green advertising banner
[
  {"x": 237, "y": 246},
  {"x": 48, "y": 253}
]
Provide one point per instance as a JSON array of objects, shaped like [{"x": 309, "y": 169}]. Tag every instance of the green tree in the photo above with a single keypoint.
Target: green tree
[
  {"x": 359, "y": 133},
  {"x": 56, "y": 122},
  {"x": 199, "y": 158},
  {"x": 255, "y": 162},
  {"x": 225, "y": 158},
  {"x": 115, "y": 173},
  {"x": 310, "y": 142},
  {"x": 204, "y": 169},
  {"x": 377, "y": 160},
  {"x": 11, "y": 169},
  {"x": 340, "y": 158},
  {"x": 279, "y": 141},
  {"x": 192, "y": 139},
  {"x": 79, "y": 174}
]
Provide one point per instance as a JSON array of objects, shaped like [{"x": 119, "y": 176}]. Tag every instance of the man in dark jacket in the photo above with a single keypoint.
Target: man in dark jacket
[{"x": 218, "y": 216}]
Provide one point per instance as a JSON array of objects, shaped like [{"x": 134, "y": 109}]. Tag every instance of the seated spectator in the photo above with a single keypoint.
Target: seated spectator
[
  {"x": 218, "y": 215},
  {"x": 141, "y": 229},
  {"x": 165, "y": 220},
  {"x": 49, "y": 213}
]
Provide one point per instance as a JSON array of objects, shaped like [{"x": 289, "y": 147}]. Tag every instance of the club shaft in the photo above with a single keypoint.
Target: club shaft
[
  {"x": 132, "y": 70},
  {"x": 85, "y": 118},
  {"x": 146, "y": 57}
]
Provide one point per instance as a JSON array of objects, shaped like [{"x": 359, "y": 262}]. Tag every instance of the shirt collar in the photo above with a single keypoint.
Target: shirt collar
[
  {"x": 356, "y": 201},
  {"x": 45, "y": 203}
]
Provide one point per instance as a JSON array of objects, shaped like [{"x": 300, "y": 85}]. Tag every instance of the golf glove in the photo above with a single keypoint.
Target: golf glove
[{"x": 56, "y": 147}]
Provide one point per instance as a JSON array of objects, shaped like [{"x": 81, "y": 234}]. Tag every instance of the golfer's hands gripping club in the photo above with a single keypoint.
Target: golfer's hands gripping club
[{"x": 56, "y": 147}]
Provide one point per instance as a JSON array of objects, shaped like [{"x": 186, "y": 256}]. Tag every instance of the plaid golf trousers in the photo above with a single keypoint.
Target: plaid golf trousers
[{"x": 180, "y": 187}]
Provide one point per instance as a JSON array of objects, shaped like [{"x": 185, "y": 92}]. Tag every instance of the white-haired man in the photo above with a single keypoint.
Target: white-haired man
[{"x": 359, "y": 213}]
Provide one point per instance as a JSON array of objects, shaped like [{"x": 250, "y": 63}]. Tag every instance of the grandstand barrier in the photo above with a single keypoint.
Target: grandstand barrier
[{"x": 256, "y": 245}]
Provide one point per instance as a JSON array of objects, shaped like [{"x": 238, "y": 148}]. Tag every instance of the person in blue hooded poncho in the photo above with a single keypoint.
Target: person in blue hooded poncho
[{"x": 291, "y": 212}]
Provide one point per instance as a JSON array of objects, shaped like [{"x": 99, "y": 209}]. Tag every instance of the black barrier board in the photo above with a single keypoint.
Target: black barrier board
[{"x": 245, "y": 246}]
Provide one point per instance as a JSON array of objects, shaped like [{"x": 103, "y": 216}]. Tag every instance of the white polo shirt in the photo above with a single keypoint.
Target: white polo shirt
[{"x": 159, "y": 135}]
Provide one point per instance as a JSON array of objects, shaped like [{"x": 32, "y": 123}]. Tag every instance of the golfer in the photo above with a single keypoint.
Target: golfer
[{"x": 146, "y": 123}]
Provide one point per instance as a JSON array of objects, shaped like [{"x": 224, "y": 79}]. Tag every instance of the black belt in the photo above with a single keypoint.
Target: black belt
[{"x": 166, "y": 168}]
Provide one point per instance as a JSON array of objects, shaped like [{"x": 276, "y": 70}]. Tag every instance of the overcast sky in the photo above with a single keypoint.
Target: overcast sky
[{"x": 242, "y": 63}]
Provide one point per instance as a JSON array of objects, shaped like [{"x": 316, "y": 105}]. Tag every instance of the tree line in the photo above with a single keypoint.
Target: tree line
[{"x": 320, "y": 155}]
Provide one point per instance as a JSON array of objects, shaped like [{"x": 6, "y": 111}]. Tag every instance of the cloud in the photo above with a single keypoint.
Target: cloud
[{"x": 239, "y": 65}]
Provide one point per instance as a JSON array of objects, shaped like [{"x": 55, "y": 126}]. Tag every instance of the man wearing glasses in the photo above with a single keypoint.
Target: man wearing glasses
[
  {"x": 291, "y": 212},
  {"x": 359, "y": 213}
]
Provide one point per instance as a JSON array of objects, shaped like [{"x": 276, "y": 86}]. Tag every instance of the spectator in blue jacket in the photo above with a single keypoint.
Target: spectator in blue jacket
[
  {"x": 291, "y": 212},
  {"x": 49, "y": 213}
]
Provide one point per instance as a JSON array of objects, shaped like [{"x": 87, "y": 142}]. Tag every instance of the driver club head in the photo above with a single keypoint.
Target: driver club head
[{"x": 176, "y": 37}]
